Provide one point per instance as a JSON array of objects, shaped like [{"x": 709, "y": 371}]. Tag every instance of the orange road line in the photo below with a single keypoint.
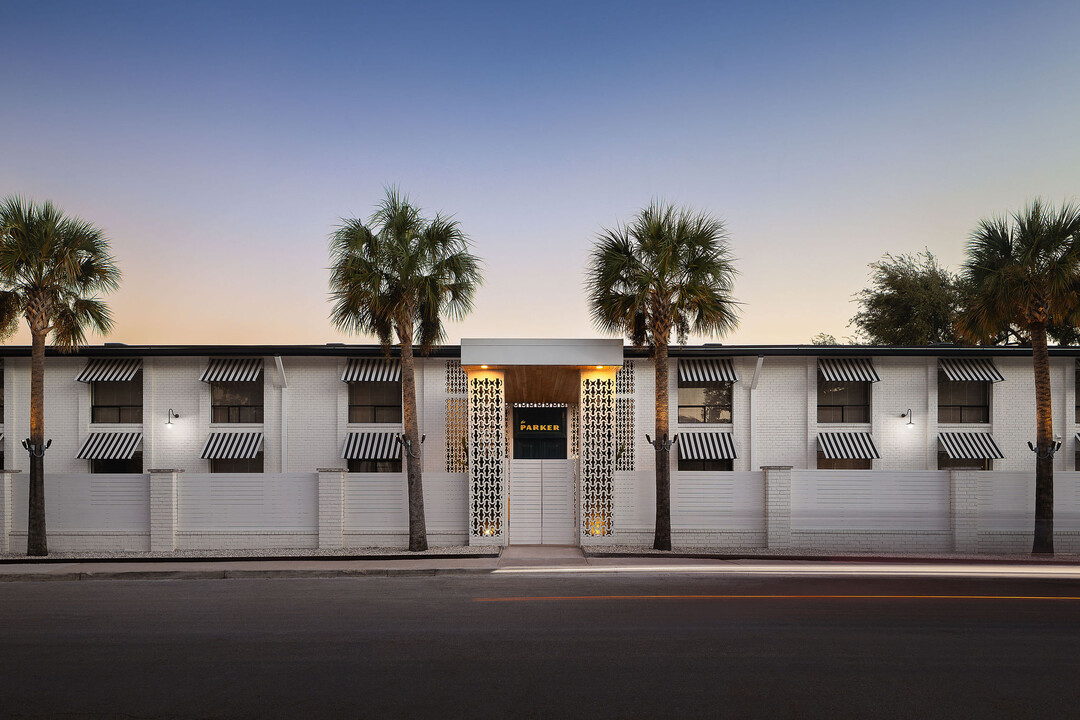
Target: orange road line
[{"x": 541, "y": 598}]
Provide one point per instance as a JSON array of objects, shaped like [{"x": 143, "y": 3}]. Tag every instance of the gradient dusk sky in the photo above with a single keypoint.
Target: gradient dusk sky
[{"x": 218, "y": 144}]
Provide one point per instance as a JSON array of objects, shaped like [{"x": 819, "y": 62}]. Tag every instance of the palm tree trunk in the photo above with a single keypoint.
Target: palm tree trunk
[
  {"x": 417, "y": 524},
  {"x": 36, "y": 543},
  {"x": 662, "y": 537},
  {"x": 1044, "y": 462}
]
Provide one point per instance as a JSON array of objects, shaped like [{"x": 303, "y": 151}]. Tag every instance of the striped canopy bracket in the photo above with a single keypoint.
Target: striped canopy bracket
[
  {"x": 970, "y": 370},
  {"x": 706, "y": 446},
  {"x": 707, "y": 370},
  {"x": 233, "y": 446},
  {"x": 848, "y": 446},
  {"x": 110, "y": 446},
  {"x": 233, "y": 370},
  {"x": 110, "y": 370},
  {"x": 371, "y": 370},
  {"x": 970, "y": 446},
  {"x": 371, "y": 446},
  {"x": 848, "y": 370}
]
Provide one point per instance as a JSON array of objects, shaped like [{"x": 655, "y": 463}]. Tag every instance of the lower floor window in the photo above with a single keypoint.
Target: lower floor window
[
  {"x": 238, "y": 465},
  {"x": 944, "y": 462},
  {"x": 824, "y": 463},
  {"x": 705, "y": 465},
  {"x": 375, "y": 466},
  {"x": 118, "y": 467}
]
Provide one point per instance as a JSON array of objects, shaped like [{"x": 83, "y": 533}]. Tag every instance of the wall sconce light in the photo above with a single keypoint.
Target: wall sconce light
[
  {"x": 910, "y": 422},
  {"x": 169, "y": 422}
]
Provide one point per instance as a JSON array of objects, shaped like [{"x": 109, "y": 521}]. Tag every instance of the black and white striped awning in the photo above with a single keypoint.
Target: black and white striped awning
[
  {"x": 110, "y": 370},
  {"x": 970, "y": 446},
  {"x": 848, "y": 446},
  {"x": 233, "y": 370},
  {"x": 110, "y": 446},
  {"x": 848, "y": 370},
  {"x": 371, "y": 370},
  {"x": 970, "y": 370},
  {"x": 233, "y": 446},
  {"x": 371, "y": 446},
  {"x": 706, "y": 446},
  {"x": 707, "y": 370}
]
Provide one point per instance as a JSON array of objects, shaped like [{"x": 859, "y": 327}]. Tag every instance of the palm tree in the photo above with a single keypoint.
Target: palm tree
[
  {"x": 669, "y": 269},
  {"x": 401, "y": 274},
  {"x": 52, "y": 269},
  {"x": 1023, "y": 272}
]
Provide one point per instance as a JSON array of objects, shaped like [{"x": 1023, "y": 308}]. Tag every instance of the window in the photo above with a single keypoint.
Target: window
[
  {"x": 118, "y": 467},
  {"x": 237, "y": 402},
  {"x": 705, "y": 465},
  {"x": 963, "y": 401},
  {"x": 375, "y": 402},
  {"x": 239, "y": 465},
  {"x": 375, "y": 466},
  {"x": 1076, "y": 393},
  {"x": 704, "y": 402},
  {"x": 117, "y": 402},
  {"x": 824, "y": 463},
  {"x": 842, "y": 402},
  {"x": 944, "y": 462}
]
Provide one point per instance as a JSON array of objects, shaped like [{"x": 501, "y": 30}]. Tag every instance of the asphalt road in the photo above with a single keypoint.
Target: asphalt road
[{"x": 539, "y": 646}]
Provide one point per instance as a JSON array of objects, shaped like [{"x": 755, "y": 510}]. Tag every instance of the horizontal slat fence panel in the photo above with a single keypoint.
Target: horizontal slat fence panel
[
  {"x": 446, "y": 502},
  {"x": 248, "y": 502},
  {"x": 87, "y": 503},
  {"x": 376, "y": 502},
  {"x": 717, "y": 501},
  {"x": 870, "y": 500}
]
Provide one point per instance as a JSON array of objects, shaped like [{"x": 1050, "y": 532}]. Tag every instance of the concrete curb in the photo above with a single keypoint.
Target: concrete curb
[
  {"x": 240, "y": 574},
  {"x": 1071, "y": 561}
]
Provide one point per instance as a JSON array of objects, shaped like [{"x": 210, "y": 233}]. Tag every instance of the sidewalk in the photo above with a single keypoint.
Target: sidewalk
[{"x": 543, "y": 560}]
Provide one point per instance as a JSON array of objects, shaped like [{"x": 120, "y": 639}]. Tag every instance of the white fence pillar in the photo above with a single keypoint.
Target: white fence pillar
[
  {"x": 5, "y": 510},
  {"x": 163, "y": 487},
  {"x": 331, "y": 508},
  {"x": 964, "y": 510},
  {"x": 777, "y": 506}
]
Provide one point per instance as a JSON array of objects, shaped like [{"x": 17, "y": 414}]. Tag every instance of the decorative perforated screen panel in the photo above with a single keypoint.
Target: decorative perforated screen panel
[
  {"x": 624, "y": 434},
  {"x": 457, "y": 432},
  {"x": 597, "y": 455},
  {"x": 487, "y": 454},
  {"x": 575, "y": 430},
  {"x": 624, "y": 379},
  {"x": 457, "y": 383}
]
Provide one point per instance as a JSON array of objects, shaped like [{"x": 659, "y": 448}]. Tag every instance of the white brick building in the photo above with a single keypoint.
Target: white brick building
[{"x": 538, "y": 442}]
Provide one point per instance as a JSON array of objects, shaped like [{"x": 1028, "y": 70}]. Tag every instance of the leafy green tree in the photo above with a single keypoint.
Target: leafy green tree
[
  {"x": 823, "y": 339},
  {"x": 52, "y": 270},
  {"x": 1024, "y": 272},
  {"x": 912, "y": 300},
  {"x": 669, "y": 270},
  {"x": 401, "y": 274}
]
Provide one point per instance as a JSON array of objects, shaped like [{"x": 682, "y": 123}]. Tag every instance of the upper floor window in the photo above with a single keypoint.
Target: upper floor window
[
  {"x": 375, "y": 402},
  {"x": 843, "y": 401},
  {"x": 963, "y": 401},
  {"x": 237, "y": 402},
  {"x": 117, "y": 401},
  {"x": 704, "y": 401}
]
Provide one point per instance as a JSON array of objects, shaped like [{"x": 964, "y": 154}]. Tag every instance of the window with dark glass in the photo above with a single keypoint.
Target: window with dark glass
[
  {"x": 704, "y": 402},
  {"x": 842, "y": 402},
  {"x": 375, "y": 466},
  {"x": 824, "y": 463},
  {"x": 963, "y": 401},
  {"x": 237, "y": 402},
  {"x": 132, "y": 465},
  {"x": 375, "y": 402},
  {"x": 117, "y": 402},
  {"x": 705, "y": 465},
  {"x": 944, "y": 462},
  {"x": 1076, "y": 394},
  {"x": 238, "y": 465}
]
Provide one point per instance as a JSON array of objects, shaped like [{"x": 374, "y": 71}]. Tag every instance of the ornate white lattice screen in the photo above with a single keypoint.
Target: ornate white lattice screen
[
  {"x": 575, "y": 431},
  {"x": 597, "y": 454},
  {"x": 487, "y": 448},
  {"x": 457, "y": 418},
  {"x": 624, "y": 418}
]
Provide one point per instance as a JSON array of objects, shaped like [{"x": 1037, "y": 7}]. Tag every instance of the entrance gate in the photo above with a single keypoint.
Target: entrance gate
[{"x": 542, "y": 502}]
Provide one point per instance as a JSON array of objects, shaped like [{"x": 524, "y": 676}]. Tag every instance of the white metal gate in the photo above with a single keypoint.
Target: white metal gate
[{"x": 542, "y": 504}]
